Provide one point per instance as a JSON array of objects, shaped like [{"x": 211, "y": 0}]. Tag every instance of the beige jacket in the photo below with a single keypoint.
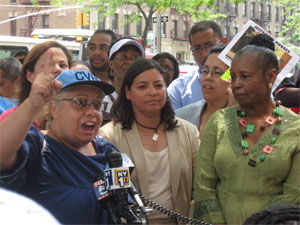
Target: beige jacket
[{"x": 183, "y": 144}]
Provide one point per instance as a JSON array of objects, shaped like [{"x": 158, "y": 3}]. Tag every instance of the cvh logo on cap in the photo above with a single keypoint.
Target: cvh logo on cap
[{"x": 82, "y": 75}]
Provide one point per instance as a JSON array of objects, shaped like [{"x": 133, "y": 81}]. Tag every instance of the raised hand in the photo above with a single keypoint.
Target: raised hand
[
  {"x": 44, "y": 86},
  {"x": 231, "y": 99}
]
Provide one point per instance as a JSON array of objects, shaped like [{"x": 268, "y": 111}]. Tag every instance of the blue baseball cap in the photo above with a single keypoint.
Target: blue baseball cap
[{"x": 73, "y": 78}]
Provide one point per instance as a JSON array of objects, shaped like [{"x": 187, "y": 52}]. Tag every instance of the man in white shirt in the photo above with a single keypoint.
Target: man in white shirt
[{"x": 187, "y": 88}]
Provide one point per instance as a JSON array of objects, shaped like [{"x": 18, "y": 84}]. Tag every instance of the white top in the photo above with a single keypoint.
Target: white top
[
  {"x": 159, "y": 185},
  {"x": 18, "y": 209}
]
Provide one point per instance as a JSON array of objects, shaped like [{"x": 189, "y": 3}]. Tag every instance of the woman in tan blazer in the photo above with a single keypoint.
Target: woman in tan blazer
[{"x": 162, "y": 147}]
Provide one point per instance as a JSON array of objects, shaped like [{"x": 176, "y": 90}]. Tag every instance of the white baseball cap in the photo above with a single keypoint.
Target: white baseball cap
[{"x": 127, "y": 41}]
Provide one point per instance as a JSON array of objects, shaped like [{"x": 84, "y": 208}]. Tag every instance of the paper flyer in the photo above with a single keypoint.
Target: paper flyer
[{"x": 286, "y": 57}]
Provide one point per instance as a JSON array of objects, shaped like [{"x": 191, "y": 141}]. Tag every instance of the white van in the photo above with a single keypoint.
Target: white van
[{"x": 10, "y": 45}]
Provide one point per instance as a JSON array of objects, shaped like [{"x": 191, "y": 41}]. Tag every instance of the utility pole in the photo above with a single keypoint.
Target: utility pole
[
  {"x": 158, "y": 35},
  {"x": 81, "y": 18}
]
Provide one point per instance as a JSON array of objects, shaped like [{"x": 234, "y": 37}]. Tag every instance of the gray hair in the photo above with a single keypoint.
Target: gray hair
[
  {"x": 266, "y": 59},
  {"x": 47, "y": 109},
  {"x": 11, "y": 68}
]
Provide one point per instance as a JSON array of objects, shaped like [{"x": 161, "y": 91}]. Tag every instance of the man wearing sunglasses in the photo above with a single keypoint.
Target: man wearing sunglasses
[{"x": 187, "y": 88}]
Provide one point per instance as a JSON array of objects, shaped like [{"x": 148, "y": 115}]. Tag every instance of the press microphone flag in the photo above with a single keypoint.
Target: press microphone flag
[
  {"x": 117, "y": 178},
  {"x": 99, "y": 187}
]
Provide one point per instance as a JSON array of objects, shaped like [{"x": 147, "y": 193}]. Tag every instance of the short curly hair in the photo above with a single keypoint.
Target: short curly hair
[
  {"x": 166, "y": 55},
  {"x": 280, "y": 214}
]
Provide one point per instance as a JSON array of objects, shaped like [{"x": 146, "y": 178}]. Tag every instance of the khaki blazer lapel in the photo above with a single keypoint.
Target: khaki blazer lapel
[
  {"x": 136, "y": 150},
  {"x": 174, "y": 147}
]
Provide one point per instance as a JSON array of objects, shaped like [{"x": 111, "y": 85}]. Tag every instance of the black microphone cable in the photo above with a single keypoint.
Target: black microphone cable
[{"x": 171, "y": 213}]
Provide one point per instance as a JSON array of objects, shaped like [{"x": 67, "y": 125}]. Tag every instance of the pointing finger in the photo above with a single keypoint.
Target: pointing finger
[{"x": 48, "y": 64}]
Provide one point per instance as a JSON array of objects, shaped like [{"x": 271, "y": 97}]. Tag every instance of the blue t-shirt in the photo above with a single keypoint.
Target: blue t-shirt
[
  {"x": 7, "y": 103},
  {"x": 185, "y": 90},
  {"x": 60, "y": 178}
]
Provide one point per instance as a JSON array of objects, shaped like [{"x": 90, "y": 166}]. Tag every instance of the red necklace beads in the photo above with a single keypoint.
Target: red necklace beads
[{"x": 250, "y": 128}]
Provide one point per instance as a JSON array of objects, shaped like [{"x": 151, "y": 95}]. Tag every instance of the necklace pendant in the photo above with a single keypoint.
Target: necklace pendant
[
  {"x": 268, "y": 149},
  {"x": 252, "y": 162},
  {"x": 155, "y": 137},
  {"x": 270, "y": 120},
  {"x": 243, "y": 122}
]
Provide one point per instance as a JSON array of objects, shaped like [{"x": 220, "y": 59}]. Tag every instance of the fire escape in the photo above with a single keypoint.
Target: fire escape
[
  {"x": 231, "y": 15},
  {"x": 263, "y": 17},
  {"x": 30, "y": 25}
]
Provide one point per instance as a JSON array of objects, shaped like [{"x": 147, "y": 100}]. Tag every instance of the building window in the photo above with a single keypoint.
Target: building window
[
  {"x": 13, "y": 28},
  {"x": 185, "y": 30},
  {"x": 174, "y": 29},
  {"x": 227, "y": 28},
  {"x": 235, "y": 28},
  {"x": 179, "y": 56},
  {"x": 276, "y": 13},
  {"x": 13, "y": 1},
  {"x": 245, "y": 9},
  {"x": 260, "y": 11},
  {"x": 236, "y": 9},
  {"x": 217, "y": 3},
  {"x": 283, "y": 14},
  {"x": 269, "y": 29},
  {"x": 45, "y": 19},
  {"x": 163, "y": 30},
  {"x": 139, "y": 26},
  {"x": 277, "y": 31},
  {"x": 101, "y": 21},
  {"x": 269, "y": 12},
  {"x": 252, "y": 10},
  {"x": 115, "y": 23},
  {"x": 126, "y": 25}
]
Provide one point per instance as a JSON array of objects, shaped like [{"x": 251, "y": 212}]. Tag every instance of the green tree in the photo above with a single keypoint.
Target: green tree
[
  {"x": 290, "y": 28},
  {"x": 198, "y": 9}
]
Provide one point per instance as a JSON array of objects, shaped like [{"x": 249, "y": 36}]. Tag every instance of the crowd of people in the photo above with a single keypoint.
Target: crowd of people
[{"x": 223, "y": 151}]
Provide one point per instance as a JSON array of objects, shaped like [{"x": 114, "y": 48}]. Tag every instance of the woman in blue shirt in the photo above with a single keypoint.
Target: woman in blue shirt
[{"x": 58, "y": 169}]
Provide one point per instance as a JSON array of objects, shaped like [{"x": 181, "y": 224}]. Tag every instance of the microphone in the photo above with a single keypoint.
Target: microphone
[
  {"x": 99, "y": 187},
  {"x": 138, "y": 200},
  {"x": 119, "y": 177},
  {"x": 116, "y": 176},
  {"x": 103, "y": 196}
]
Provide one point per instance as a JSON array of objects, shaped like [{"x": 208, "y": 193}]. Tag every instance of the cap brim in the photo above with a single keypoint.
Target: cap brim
[{"x": 105, "y": 87}]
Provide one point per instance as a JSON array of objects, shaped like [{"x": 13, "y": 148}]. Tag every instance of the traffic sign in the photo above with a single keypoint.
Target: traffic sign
[{"x": 164, "y": 19}]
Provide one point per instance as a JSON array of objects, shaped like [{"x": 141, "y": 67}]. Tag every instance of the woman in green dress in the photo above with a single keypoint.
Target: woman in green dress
[{"x": 249, "y": 154}]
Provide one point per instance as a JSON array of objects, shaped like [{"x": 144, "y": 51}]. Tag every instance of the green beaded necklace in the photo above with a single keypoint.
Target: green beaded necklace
[{"x": 250, "y": 128}]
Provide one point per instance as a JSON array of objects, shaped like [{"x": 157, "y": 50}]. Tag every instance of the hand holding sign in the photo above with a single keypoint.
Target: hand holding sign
[
  {"x": 226, "y": 77},
  {"x": 44, "y": 86}
]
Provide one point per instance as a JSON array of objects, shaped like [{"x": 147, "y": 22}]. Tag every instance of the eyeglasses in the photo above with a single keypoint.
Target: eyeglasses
[
  {"x": 207, "y": 47},
  {"x": 216, "y": 73},
  {"x": 83, "y": 103},
  {"x": 125, "y": 58},
  {"x": 167, "y": 68}
]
